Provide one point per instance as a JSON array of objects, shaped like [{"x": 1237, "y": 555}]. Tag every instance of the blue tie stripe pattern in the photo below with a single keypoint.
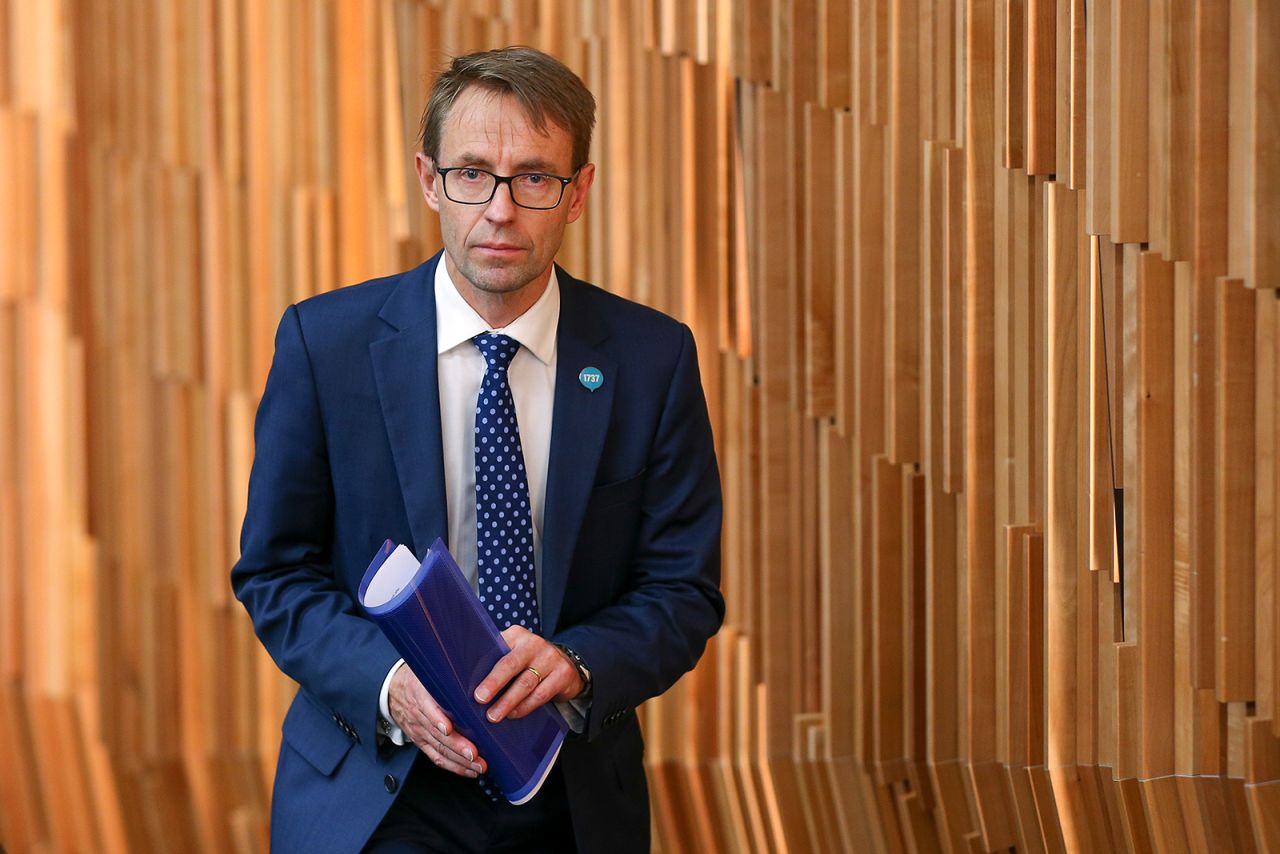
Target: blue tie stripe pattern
[{"x": 504, "y": 523}]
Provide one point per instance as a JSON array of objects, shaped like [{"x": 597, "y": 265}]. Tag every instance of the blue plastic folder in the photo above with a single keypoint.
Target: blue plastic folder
[{"x": 439, "y": 627}]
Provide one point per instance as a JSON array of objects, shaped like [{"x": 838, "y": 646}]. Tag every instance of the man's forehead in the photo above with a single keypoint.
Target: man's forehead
[{"x": 485, "y": 117}]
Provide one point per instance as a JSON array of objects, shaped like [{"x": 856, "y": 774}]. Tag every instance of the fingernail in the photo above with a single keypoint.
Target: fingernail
[
  {"x": 482, "y": 696},
  {"x": 440, "y": 726},
  {"x": 471, "y": 773},
  {"x": 475, "y": 766},
  {"x": 492, "y": 716},
  {"x": 467, "y": 753}
]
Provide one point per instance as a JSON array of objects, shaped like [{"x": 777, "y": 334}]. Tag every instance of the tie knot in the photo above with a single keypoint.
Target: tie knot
[{"x": 498, "y": 350}]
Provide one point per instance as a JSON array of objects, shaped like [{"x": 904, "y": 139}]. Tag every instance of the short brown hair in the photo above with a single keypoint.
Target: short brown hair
[{"x": 544, "y": 86}]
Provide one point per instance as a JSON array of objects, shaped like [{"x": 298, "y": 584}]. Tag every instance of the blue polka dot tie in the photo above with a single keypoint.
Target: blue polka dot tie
[{"x": 504, "y": 525}]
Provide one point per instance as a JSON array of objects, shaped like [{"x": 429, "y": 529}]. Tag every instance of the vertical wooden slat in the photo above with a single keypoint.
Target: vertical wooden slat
[
  {"x": 1012, "y": 117},
  {"x": 819, "y": 262},
  {"x": 1060, "y": 507},
  {"x": 955, "y": 319},
  {"x": 1184, "y": 734},
  {"x": 1208, "y": 262},
  {"x": 889, "y": 681},
  {"x": 1042, "y": 68},
  {"x": 1240, "y": 106},
  {"x": 1275, "y": 567},
  {"x": 846, "y": 292},
  {"x": 1159, "y": 118},
  {"x": 904, "y": 301},
  {"x": 1180, "y": 203},
  {"x": 1155, "y": 532},
  {"x": 1234, "y": 491},
  {"x": 1264, "y": 551},
  {"x": 1129, "y": 108},
  {"x": 1265, "y": 90},
  {"x": 1098, "y": 148}
]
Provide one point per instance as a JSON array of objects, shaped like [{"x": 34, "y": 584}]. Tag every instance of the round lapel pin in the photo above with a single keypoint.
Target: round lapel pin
[{"x": 591, "y": 378}]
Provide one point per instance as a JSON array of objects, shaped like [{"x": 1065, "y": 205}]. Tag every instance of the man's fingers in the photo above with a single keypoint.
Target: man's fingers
[
  {"x": 531, "y": 689},
  {"x": 417, "y": 713},
  {"x": 539, "y": 696},
  {"x": 409, "y": 704},
  {"x": 426, "y": 724},
  {"x": 561, "y": 682},
  {"x": 443, "y": 760},
  {"x": 433, "y": 714},
  {"x": 522, "y": 651},
  {"x": 521, "y": 687},
  {"x": 454, "y": 748},
  {"x": 462, "y": 750},
  {"x": 535, "y": 673}
]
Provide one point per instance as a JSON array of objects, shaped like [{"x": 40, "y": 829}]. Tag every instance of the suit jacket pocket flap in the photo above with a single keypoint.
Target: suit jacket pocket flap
[{"x": 315, "y": 736}]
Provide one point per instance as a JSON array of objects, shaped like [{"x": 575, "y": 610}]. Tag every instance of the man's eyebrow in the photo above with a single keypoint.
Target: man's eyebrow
[
  {"x": 536, "y": 164},
  {"x": 533, "y": 164},
  {"x": 472, "y": 160}
]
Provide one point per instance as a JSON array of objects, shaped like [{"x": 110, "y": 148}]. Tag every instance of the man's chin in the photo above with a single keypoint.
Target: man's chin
[{"x": 500, "y": 280}]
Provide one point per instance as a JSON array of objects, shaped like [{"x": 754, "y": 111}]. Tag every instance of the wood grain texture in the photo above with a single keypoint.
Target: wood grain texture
[
  {"x": 1234, "y": 492},
  {"x": 983, "y": 291}
]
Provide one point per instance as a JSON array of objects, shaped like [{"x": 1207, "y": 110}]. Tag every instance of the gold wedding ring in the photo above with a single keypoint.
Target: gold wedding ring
[{"x": 535, "y": 672}]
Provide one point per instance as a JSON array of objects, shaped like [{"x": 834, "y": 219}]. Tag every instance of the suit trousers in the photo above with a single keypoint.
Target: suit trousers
[{"x": 441, "y": 812}]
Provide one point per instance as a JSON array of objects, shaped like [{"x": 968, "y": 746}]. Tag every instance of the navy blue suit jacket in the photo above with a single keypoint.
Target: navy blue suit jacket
[{"x": 348, "y": 454}]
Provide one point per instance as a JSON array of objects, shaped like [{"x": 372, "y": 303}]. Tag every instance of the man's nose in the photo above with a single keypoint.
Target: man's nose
[{"x": 502, "y": 207}]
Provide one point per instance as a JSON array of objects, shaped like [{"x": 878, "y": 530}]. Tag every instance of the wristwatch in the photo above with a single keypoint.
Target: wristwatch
[{"x": 581, "y": 667}]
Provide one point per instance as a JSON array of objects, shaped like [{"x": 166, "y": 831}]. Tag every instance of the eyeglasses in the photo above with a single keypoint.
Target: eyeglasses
[{"x": 537, "y": 191}]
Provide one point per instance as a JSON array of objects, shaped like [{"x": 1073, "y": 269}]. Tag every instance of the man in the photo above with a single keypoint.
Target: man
[{"x": 384, "y": 416}]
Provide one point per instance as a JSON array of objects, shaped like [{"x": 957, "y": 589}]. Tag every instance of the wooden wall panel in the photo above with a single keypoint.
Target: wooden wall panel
[{"x": 983, "y": 291}]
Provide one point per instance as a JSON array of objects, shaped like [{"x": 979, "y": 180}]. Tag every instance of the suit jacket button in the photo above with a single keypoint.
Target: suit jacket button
[{"x": 389, "y": 783}]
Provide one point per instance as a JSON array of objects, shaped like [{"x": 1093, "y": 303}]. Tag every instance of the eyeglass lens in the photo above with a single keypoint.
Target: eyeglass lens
[{"x": 475, "y": 186}]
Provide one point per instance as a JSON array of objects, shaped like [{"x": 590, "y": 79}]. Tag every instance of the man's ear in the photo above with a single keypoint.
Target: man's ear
[
  {"x": 578, "y": 191},
  {"x": 428, "y": 179}
]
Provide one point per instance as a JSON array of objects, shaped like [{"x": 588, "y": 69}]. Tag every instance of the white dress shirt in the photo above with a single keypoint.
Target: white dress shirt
[
  {"x": 532, "y": 374},
  {"x": 460, "y": 369}
]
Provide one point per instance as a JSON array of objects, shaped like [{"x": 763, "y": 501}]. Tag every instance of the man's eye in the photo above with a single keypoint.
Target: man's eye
[
  {"x": 471, "y": 174},
  {"x": 535, "y": 180}
]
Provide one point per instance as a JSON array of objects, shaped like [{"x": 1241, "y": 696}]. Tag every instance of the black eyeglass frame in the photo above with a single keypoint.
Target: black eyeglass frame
[{"x": 499, "y": 180}]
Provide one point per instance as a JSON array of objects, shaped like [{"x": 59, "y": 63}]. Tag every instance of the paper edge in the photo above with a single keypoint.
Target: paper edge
[
  {"x": 542, "y": 778},
  {"x": 398, "y": 562}
]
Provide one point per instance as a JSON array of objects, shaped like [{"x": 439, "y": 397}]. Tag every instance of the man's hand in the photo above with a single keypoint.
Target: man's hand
[
  {"x": 538, "y": 673},
  {"x": 427, "y": 726}
]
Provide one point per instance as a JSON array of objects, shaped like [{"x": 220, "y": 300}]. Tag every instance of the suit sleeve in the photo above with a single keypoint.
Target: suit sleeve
[
  {"x": 307, "y": 621},
  {"x": 638, "y": 647}
]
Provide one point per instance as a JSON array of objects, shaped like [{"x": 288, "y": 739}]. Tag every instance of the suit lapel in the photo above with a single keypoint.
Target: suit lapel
[
  {"x": 579, "y": 423},
  {"x": 404, "y": 367}
]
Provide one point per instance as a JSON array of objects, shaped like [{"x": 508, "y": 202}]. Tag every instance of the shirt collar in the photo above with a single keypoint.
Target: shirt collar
[{"x": 457, "y": 322}]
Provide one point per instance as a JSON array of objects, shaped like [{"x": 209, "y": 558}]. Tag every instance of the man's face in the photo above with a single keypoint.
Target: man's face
[{"x": 500, "y": 247}]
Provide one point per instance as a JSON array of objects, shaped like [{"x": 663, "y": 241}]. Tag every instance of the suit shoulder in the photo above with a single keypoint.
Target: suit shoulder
[
  {"x": 345, "y": 317},
  {"x": 365, "y": 297}
]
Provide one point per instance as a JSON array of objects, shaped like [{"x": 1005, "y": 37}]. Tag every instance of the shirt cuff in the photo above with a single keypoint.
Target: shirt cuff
[
  {"x": 388, "y": 724},
  {"x": 574, "y": 713}
]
